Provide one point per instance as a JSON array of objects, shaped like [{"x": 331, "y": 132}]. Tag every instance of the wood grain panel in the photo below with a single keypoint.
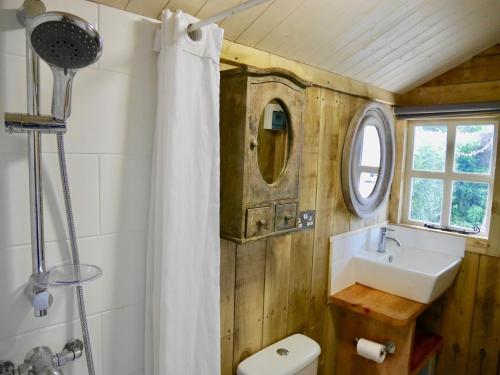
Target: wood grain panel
[
  {"x": 433, "y": 31},
  {"x": 120, "y": 4},
  {"x": 299, "y": 291},
  {"x": 481, "y": 68},
  {"x": 276, "y": 289},
  {"x": 457, "y": 93},
  {"x": 376, "y": 304},
  {"x": 484, "y": 357},
  {"x": 341, "y": 214},
  {"x": 356, "y": 325},
  {"x": 468, "y": 316},
  {"x": 440, "y": 51},
  {"x": 234, "y": 25},
  {"x": 227, "y": 286},
  {"x": 148, "y": 8},
  {"x": 266, "y": 22},
  {"x": 458, "y": 309},
  {"x": 190, "y": 7},
  {"x": 399, "y": 170},
  {"x": 392, "y": 44},
  {"x": 249, "y": 299},
  {"x": 303, "y": 242},
  {"x": 493, "y": 247},
  {"x": 423, "y": 19},
  {"x": 324, "y": 203},
  {"x": 240, "y": 54}
]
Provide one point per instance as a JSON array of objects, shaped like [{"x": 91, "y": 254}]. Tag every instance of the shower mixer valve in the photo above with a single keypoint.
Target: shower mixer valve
[{"x": 41, "y": 361}]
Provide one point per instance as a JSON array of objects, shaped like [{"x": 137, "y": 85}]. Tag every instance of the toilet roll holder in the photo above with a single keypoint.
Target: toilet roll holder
[{"x": 389, "y": 346}]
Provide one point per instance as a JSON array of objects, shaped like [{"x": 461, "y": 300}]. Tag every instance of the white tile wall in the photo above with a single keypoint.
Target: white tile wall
[
  {"x": 123, "y": 349},
  {"x": 342, "y": 248},
  {"x": 428, "y": 240},
  {"x": 109, "y": 145}
]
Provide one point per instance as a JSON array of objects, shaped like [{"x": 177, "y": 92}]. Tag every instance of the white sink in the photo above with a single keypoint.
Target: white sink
[
  {"x": 416, "y": 274},
  {"x": 422, "y": 269}
]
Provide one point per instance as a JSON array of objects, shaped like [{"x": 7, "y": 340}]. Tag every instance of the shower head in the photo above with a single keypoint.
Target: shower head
[{"x": 67, "y": 43}]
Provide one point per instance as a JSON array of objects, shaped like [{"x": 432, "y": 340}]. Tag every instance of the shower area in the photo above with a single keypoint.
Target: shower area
[{"x": 78, "y": 107}]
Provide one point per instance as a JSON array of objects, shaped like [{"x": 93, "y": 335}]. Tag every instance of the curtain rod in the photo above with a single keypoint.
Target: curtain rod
[
  {"x": 220, "y": 16},
  {"x": 446, "y": 110}
]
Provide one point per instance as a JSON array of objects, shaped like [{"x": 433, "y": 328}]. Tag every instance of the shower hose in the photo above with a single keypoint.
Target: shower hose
[{"x": 74, "y": 252}]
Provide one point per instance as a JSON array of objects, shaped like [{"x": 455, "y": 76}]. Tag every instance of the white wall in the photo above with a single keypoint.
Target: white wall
[{"x": 109, "y": 144}]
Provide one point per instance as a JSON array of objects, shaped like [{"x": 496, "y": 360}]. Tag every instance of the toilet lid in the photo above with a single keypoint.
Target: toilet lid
[{"x": 285, "y": 357}]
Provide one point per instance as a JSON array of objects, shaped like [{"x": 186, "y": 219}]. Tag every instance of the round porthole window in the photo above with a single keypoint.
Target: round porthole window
[{"x": 368, "y": 160}]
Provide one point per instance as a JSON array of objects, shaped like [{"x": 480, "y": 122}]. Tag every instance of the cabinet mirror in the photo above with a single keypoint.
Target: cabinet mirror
[{"x": 273, "y": 141}]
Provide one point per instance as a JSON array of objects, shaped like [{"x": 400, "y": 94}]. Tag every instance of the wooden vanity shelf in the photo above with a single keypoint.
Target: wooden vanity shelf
[{"x": 380, "y": 317}]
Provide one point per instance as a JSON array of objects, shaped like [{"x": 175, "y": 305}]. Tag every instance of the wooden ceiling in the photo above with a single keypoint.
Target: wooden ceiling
[{"x": 392, "y": 44}]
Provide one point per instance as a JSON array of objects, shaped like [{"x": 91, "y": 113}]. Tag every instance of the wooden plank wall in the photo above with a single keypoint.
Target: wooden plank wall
[
  {"x": 276, "y": 287},
  {"x": 468, "y": 315},
  {"x": 476, "y": 80}
]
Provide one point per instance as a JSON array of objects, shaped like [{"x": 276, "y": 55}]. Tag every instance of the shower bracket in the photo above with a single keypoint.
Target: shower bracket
[
  {"x": 25, "y": 123},
  {"x": 40, "y": 298}
]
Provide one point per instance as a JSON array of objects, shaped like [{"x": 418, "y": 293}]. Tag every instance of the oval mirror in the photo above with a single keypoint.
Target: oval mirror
[
  {"x": 273, "y": 141},
  {"x": 368, "y": 160}
]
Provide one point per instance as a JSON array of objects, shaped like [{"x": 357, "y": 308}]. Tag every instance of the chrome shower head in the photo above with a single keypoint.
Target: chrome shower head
[{"x": 67, "y": 43}]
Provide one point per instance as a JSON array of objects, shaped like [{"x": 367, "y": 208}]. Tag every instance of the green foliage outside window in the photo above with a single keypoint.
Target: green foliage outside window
[
  {"x": 426, "y": 200},
  {"x": 472, "y": 154}
]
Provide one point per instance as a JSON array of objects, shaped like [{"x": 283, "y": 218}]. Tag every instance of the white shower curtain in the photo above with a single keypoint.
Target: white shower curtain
[{"x": 182, "y": 296}]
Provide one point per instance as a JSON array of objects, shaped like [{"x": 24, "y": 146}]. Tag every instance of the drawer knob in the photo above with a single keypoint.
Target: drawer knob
[
  {"x": 254, "y": 144},
  {"x": 262, "y": 222},
  {"x": 288, "y": 217}
]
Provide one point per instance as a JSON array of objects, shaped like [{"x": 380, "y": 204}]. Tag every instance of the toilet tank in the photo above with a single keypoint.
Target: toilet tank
[{"x": 294, "y": 355}]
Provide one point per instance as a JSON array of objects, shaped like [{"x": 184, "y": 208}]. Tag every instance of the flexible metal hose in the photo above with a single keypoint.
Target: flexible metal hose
[{"x": 74, "y": 252}]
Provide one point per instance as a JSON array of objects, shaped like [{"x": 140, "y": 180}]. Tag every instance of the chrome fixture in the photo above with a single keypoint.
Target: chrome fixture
[
  {"x": 67, "y": 43},
  {"x": 23, "y": 123},
  {"x": 41, "y": 361},
  {"x": 29, "y": 10},
  {"x": 383, "y": 238}
]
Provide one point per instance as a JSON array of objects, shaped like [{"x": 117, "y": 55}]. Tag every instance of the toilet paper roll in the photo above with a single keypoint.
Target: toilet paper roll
[{"x": 371, "y": 350}]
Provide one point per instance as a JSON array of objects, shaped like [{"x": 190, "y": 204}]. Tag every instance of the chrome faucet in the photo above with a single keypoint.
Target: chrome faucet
[{"x": 383, "y": 237}]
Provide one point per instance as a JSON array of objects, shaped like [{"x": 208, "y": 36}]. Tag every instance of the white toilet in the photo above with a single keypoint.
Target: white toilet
[{"x": 294, "y": 355}]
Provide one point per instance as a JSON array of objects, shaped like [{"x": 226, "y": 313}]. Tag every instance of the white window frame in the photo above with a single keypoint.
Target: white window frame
[{"x": 448, "y": 176}]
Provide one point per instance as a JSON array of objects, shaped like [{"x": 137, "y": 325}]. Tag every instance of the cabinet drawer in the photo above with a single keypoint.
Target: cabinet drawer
[
  {"x": 259, "y": 221},
  {"x": 286, "y": 216}
]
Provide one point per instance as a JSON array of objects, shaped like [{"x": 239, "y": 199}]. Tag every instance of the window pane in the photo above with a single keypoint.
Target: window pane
[
  {"x": 367, "y": 182},
  {"x": 370, "y": 153},
  {"x": 429, "y": 150},
  {"x": 426, "y": 200},
  {"x": 473, "y": 148},
  {"x": 468, "y": 204}
]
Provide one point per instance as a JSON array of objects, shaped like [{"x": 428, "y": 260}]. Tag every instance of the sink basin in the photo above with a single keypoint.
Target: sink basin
[
  {"x": 422, "y": 269},
  {"x": 412, "y": 273}
]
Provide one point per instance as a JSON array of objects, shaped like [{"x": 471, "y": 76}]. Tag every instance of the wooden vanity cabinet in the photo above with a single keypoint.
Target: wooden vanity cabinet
[
  {"x": 380, "y": 317},
  {"x": 252, "y": 208}
]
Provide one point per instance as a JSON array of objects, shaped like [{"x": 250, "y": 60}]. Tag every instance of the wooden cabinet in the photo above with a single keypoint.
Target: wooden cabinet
[
  {"x": 260, "y": 155},
  {"x": 378, "y": 316}
]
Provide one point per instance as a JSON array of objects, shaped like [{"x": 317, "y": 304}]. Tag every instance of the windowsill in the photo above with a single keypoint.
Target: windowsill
[{"x": 474, "y": 243}]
